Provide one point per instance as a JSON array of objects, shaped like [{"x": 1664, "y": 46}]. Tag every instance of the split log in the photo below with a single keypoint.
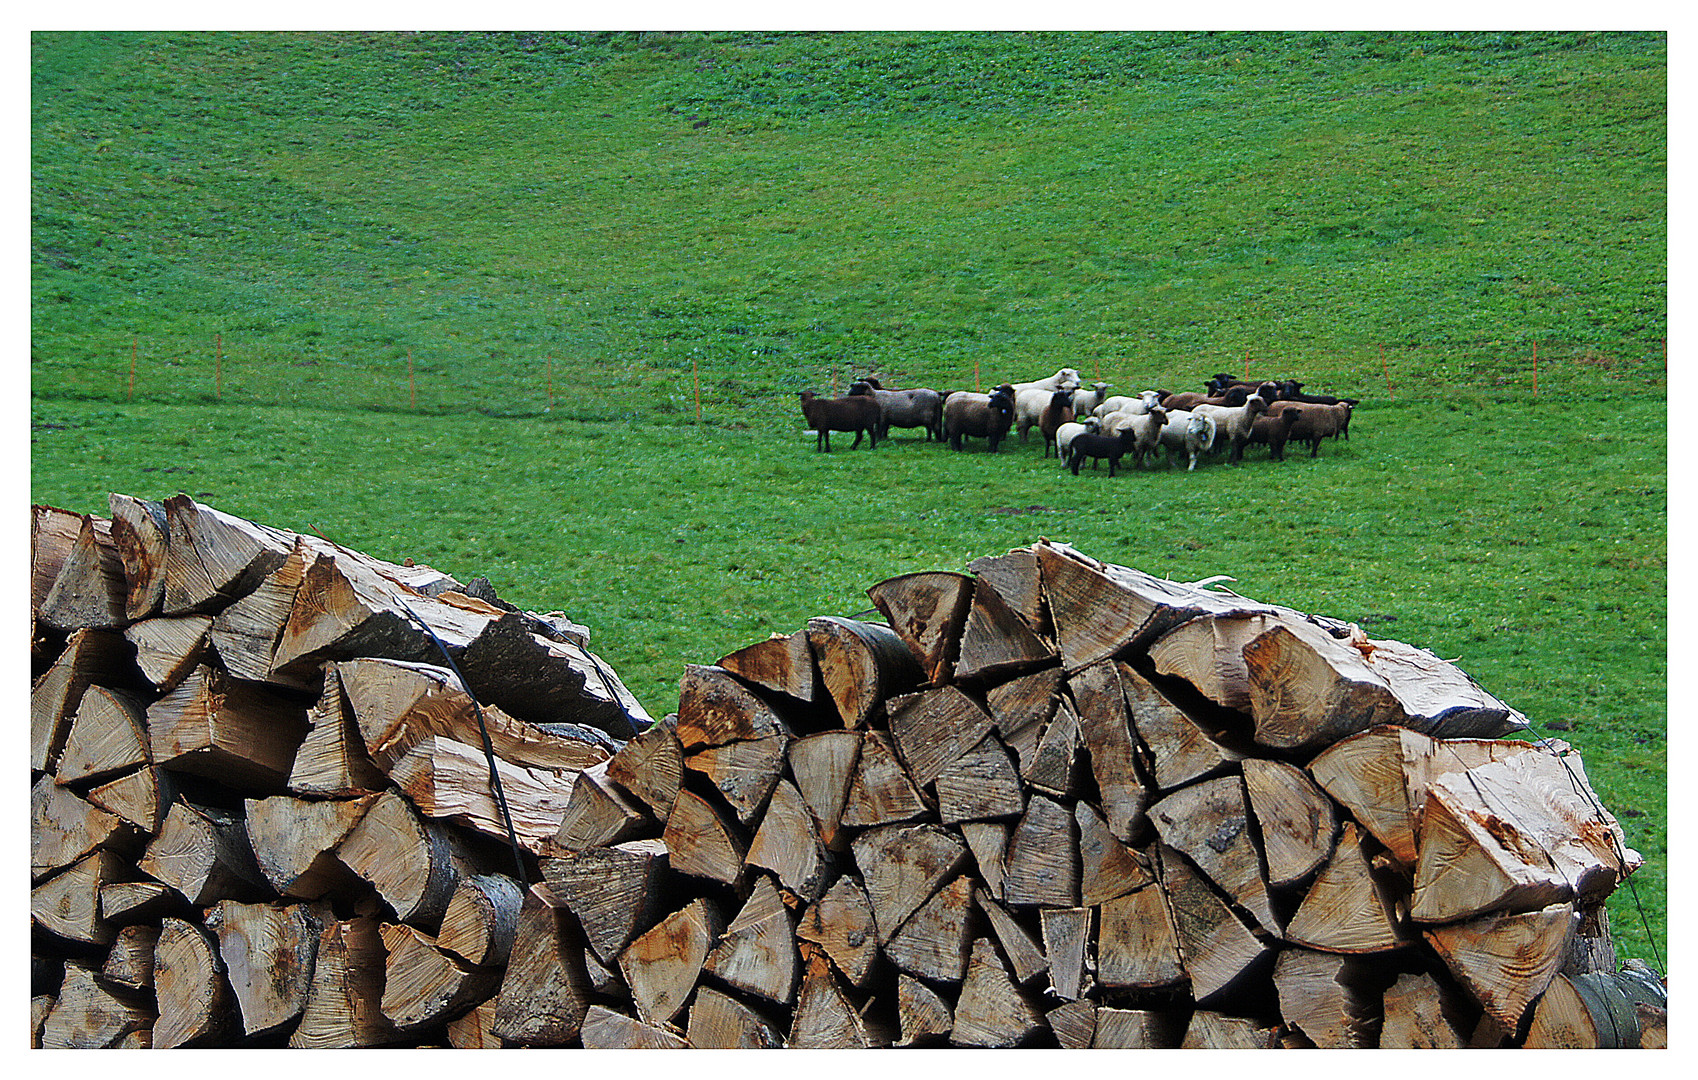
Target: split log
[
  {"x": 1309, "y": 689},
  {"x": 1181, "y": 749},
  {"x": 1019, "y": 582},
  {"x": 129, "y": 965},
  {"x": 1105, "y": 729},
  {"x": 86, "y": 1015},
  {"x": 472, "y": 1030},
  {"x": 933, "y": 728},
  {"x": 409, "y": 860},
  {"x": 882, "y": 792},
  {"x": 981, "y": 783},
  {"x": 651, "y": 767},
  {"x": 1504, "y": 960},
  {"x": 126, "y": 903},
  {"x": 933, "y": 943},
  {"x": 996, "y": 642},
  {"x": 139, "y": 533},
  {"x": 988, "y": 841},
  {"x": 788, "y": 843},
  {"x": 169, "y": 647},
  {"x": 482, "y": 919},
  {"x": 540, "y": 678},
  {"x": 1298, "y": 823},
  {"x": 605, "y": 1029},
  {"x": 841, "y": 925},
  {"x": 902, "y": 866},
  {"x": 861, "y": 665},
  {"x": 992, "y": 1011},
  {"x": 702, "y": 843},
  {"x": 204, "y": 853},
  {"x": 927, "y": 610},
  {"x": 1042, "y": 864},
  {"x": 745, "y": 772},
  {"x": 294, "y": 841},
  {"x": 597, "y": 813},
  {"x": 714, "y": 708},
  {"x": 64, "y": 828},
  {"x": 1138, "y": 1029},
  {"x": 1074, "y": 1024},
  {"x": 1210, "y": 823},
  {"x": 1208, "y": 653},
  {"x": 269, "y": 955},
  {"x": 757, "y": 952},
  {"x": 1053, "y": 767},
  {"x": 396, "y": 704},
  {"x": 235, "y": 732},
  {"x": 721, "y": 1022},
  {"x": 68, "y": 904},
  {"x": 89, "y": 656},
  {"x": 1107, "y": 867},
  {"x": 332, "y": 760},
  {"x": 189, "y": 984},
  {"x": 424, "y": 986},
  {"x": 824, "y": 766},
  {"x": 611, "y": 891},
  {"x": 89, "y": 590},
  {"x": 1348, "y": 909},
  {"x": 1217, "y": 949},
  {"x": 662, "y": 965},
  {"x": 1217, "y": 1031},
  {"x": 545, "y": 989},
  {"x": 447, "y": 780},
  {"x": 213, "y": 558},
  {"x": 782, "y": 663},
  {"x": 925, "y": 1018},
  {"x": 1025, "y": 704},
  {"x": 140, "y": 798},
  {"x": 825, "y": 1018},
  {"x": 1138, "y": 942},
  {"x": 1334, "y": 1000},
  {"x": 1416, "y": 1016},
  {"x": 1515, "y": 834},
  {"x": 52, "y": 534},
  {"x": 1024, "y": 955},
  {"x": 245, "y": 634},
  {"x": 344, "y": 998}
]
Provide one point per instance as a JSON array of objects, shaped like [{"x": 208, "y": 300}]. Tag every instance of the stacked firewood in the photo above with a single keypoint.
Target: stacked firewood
[{"x": 1047, "y": 802}]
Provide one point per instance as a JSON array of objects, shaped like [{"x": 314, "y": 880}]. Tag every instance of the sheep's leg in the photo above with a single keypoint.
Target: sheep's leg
[{"x": 858, "y": 433}]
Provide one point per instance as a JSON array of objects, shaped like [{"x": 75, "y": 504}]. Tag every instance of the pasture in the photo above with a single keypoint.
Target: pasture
[{"x": 936, "y": 209}]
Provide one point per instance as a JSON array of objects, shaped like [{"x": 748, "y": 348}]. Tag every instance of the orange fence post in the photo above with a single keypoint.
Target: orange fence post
[
  {"x": 1246, "y": 365},
  {"x": 133, "y": 345}
]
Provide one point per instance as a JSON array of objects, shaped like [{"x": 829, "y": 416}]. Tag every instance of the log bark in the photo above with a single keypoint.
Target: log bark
[
  {"x": 188, "y": 980},
  {"x": 612, "y": 891},
  {"x": 992, "y": 1011},
  {"x": 757, "y": 951},
  {"x": 927, "y": 610},
  {"x": 782, "y": 663},
  {"x": 661, "y": 966},
  {"x": 861, "y": 664},
  {"x": 539, "y": 678},
  {"x": 269, "y": 953}
]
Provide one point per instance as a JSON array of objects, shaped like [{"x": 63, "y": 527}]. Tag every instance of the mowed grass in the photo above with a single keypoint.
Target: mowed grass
[{"x": 564, "y": 236}]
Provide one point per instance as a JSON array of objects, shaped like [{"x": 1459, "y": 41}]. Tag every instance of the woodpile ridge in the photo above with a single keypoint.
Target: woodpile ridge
[{"x": 1048, "y": 801}]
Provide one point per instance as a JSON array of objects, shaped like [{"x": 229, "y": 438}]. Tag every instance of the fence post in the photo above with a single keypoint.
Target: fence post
[
  {"x": 134, "y": 342},
  {"x": 1246, "y": 365}
]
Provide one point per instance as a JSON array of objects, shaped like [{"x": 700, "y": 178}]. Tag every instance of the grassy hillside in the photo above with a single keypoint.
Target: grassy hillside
[{"x": 611, "y": 211}]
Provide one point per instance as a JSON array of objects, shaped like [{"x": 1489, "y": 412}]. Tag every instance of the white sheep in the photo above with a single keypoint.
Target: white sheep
[
  {"x": 1140, "y": 404},
  {"x": 1064, "y": 435},
  {"x": 1188, "y": 433},
  {"x": 1145, "y": 425},
  {"x": 1086, "y": 400},
  {"x": 1030, "y": 398},
  {"x": 1232, "y": 422}
]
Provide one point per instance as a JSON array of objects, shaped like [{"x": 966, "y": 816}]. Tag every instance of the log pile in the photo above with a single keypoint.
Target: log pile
[{"x": 1047, "y": 802}]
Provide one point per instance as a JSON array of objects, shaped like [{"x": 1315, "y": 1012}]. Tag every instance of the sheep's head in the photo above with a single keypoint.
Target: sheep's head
[
  {"x": 1160, "y": 415},
  {"x": 807, "y": 395},
  {"x": 1256, "y": 405},
  {"x": 861, "y": 388},
  {"x": 1289, "y": 417},
  {"x": 1067, "y": 379},
  {"x": 1152, "y": 397},
  {"x": 1093, "y": 424}
]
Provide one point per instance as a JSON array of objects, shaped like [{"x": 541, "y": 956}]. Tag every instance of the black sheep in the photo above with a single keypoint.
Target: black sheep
[
  {"x": 826, "y": 415},
  {"x": 1089, "y": 445},
  {"x": 984, "y": 416}
]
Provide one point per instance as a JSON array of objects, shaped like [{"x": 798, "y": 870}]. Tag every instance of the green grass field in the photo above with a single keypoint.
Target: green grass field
[{"x": 611, "y": 216}]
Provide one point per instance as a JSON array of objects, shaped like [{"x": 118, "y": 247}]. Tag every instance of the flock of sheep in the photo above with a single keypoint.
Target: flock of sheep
[{"x": 1084, "y": 424}]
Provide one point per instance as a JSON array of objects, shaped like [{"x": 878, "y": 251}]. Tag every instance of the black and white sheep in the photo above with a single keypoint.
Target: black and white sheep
[
  {"x": 1065, "y": 434},
  {"x": 856, "y": 413},
  {"x": 1031, "y": 397},
  {"x": 981, "y": 416}
]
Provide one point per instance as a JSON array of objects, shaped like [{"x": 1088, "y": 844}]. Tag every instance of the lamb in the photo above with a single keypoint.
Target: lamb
[
  {"x": 1141, "y": 403},
  {"x": 917, "y": 407},
  {"x": 987, "y": 416},
  {"x": 1192, "y": 433},
  {"x": 1031, "y": 397},
  {"x": 1111, "y": 447},
  {"x": 1273, "y": 428},
  {"x": 1084, "y": 401},
  {"x": 1059, "y": 411},
  {"x": 1064, "y": 435},
  {"x": 1233, "y": 424},
  {"x": 855, "y": 413}
]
